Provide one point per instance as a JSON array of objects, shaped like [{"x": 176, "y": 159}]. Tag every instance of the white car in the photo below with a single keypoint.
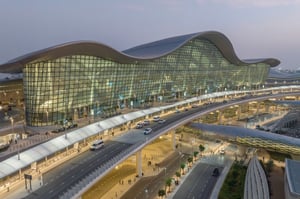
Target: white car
[
  {"x": 147, "y": 131},
  {"x": 161, "y": 121},
  {"x": 222, "y": 152},
  {"x": 156, "y": 118}
]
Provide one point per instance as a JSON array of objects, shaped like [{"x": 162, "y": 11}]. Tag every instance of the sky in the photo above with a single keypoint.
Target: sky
[{"x": 256, "y": 28}]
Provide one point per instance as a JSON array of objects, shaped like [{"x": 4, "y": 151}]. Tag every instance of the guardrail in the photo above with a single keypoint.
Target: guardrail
[{"x": 83, "y": 185}]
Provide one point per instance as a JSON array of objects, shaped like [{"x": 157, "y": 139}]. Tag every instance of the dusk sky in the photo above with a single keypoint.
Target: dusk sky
[{"x": 256, "y": 28}]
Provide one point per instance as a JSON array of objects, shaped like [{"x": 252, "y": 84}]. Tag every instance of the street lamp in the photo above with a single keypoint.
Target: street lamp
[
  {"x": 47, "y": 113},
  {"x": 12, "y": 124}
]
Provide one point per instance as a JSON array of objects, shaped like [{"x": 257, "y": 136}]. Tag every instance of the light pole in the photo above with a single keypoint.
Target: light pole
[
  {"x": 12, "y": 124},
  {"x": 47, "y": 113}
]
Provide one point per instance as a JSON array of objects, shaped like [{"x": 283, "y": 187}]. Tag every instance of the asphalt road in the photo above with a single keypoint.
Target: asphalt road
[
  {"x": 199, "y": 184},
  {"x": 148, "y": 187},
  {"x": 58, "y": 180},
  {"x": 61, "y": 178}
]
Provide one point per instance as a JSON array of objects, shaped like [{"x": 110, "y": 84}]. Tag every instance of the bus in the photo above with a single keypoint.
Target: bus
[{"x": 97, "y": 145}]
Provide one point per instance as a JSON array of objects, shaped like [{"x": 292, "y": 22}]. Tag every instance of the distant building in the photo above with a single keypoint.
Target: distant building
[
  {"x": 292, "y": 179},
  {"x": 82, "y": 79},
  {"x": 281, "y": 78}
]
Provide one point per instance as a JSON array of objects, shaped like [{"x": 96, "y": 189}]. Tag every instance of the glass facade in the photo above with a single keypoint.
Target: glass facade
[{"x": 77, "y": 86}]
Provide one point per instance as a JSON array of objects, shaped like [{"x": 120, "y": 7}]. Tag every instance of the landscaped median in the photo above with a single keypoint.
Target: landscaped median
[
  {"x": 185, "y": 167},
  {"x": 233, "y": 186}
]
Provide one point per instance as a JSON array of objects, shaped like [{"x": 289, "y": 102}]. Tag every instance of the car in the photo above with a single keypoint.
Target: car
[
  {"x": 73, "y": 125},
  {"x": 161, "y": 121},
  {"x": 139, "y": 126},
  {"x": 147, "y": 131},
  {"x": 61, "y": 129},
  {"x": 194, "y": 106},
  {"x": 156, "y": 118},
  {"x": 216, "y": 172},
  {"x": 146, "y": 122},
  {"x": 177, "y": 111},
  {"x": 222, "y": 152}
]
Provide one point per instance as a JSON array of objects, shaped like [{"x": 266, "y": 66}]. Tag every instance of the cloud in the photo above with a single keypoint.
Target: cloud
[{"x": 254, "y": 3}]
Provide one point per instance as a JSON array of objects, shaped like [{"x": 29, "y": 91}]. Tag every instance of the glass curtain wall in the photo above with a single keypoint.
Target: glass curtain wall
[{"x": 80, "y": 86}]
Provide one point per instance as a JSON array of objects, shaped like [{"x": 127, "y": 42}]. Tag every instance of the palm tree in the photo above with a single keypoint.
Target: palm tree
[
  {"x": 182, "y": 166},
  {"x": 195, "y": 154},
  {"x": 177, "y": 176},
  {"x": 161, "y": 193},
  {"x": 201, "y": 148},
  {"x": 168, "y": 184},
  {"x": 190, "y": 160}
]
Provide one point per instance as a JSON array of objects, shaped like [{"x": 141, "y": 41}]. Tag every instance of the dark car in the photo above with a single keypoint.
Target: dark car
[
  {"x": 146, "y": 122},
  {"x": 72, "y": 126},
  {"x": 61, "y": 129},
  {"x": 216, "y": 172}
]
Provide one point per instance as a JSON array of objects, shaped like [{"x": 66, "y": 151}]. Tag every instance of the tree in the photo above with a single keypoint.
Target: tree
[
  {"x": 190, "y": 160},
  {"x": 177, "y": 176},
  {"x": 182, "y": 166},
  {"x": 201, "y": 148},
  {"x": 269, "y": 166},
  {"x": 195, "y": 154},
  {"x": 161, "y": 193},
  {"x": 168, "y": 184}
]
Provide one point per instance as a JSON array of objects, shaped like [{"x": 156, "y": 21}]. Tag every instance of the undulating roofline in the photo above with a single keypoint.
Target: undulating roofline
[{"x": 144, "y": 52}]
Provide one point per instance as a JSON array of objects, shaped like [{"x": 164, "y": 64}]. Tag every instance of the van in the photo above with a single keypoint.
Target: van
[{"x": 97, "y": 145}]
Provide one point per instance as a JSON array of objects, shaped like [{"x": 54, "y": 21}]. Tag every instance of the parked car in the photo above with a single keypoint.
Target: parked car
[
  {"x": 72, "y": 126},
  {"x": 61, "y": 129},
  {"x": 147, "y": 131}
]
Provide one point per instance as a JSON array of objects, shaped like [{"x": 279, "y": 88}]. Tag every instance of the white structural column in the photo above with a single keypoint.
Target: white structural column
[
  {"x": 173, "y": 141},
  {"x": 239, "y": 110},
  {"x": 139, "y": 163},
  {"x": 220, "y": 117}
]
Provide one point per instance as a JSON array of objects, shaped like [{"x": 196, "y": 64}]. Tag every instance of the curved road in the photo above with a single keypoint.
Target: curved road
[{"x": 60, "y": 179}]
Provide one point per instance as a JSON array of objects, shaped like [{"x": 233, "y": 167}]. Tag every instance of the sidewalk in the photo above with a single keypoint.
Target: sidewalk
[{"x": 17, "y": 188}]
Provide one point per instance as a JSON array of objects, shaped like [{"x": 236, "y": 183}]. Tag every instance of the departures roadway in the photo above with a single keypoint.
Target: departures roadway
[
  {"x": 61, "y": 178},
  {"x": 58, "y": 180}
]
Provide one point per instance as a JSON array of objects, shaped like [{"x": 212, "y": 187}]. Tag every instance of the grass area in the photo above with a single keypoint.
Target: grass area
[
  {"x": 279, "y": 156},
  {"x": 109, "y": 181},
  {"x": 233, "y": 187}
]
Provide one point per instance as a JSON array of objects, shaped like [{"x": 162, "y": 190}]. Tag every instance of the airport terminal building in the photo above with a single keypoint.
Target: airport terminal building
[{"x": 83, "y": 79}]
